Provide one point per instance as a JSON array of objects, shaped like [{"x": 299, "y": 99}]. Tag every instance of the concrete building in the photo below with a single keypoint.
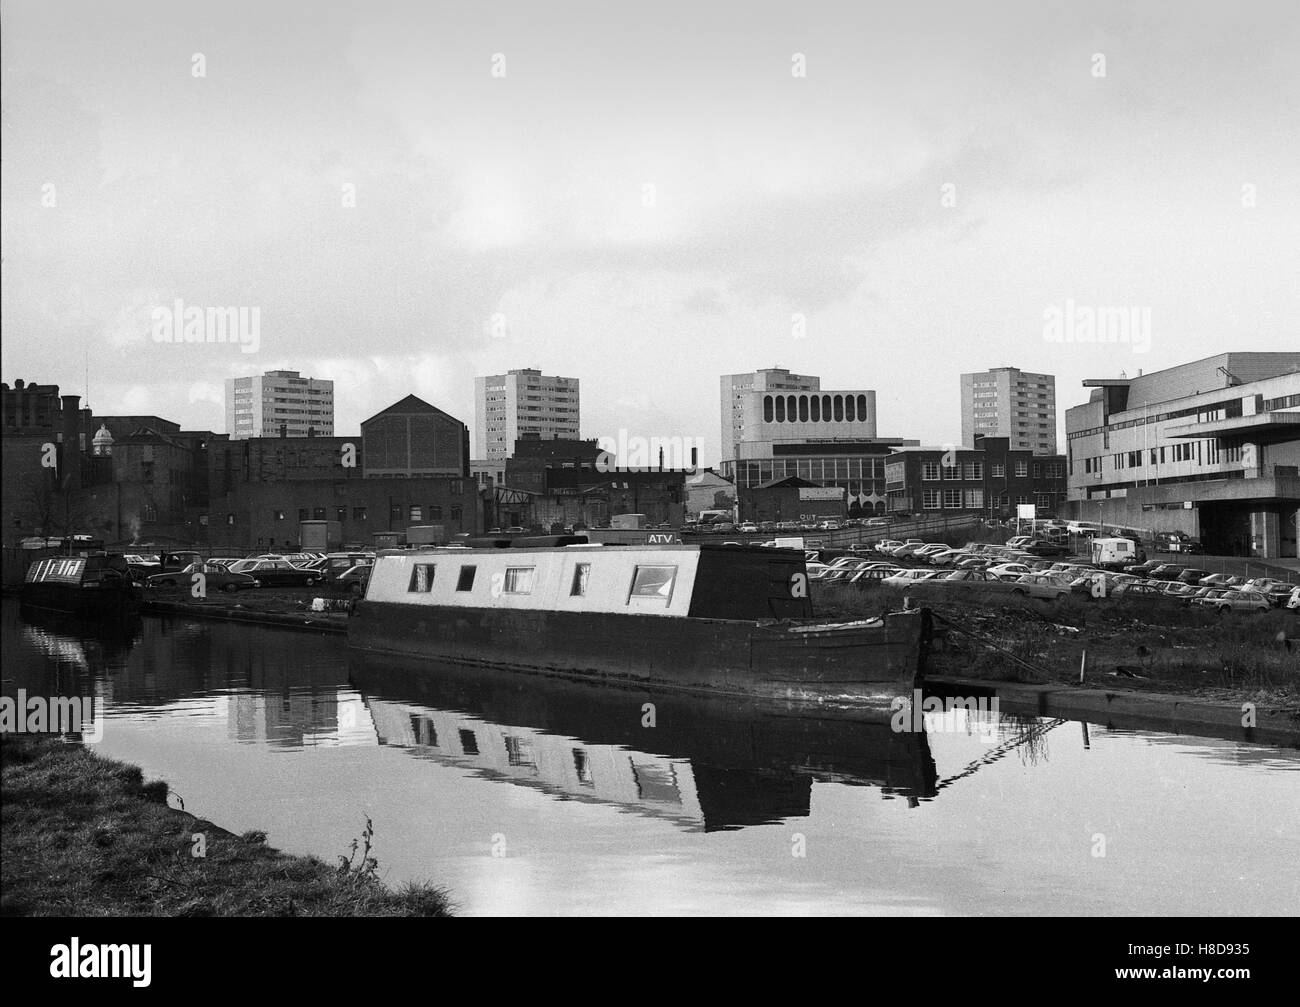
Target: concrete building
[
  {"x": 989, "y": 479},
  {"x": 736, "y": 391},
  {"x": 511, "y": 405},
  {"x": 1008, "y": 402},
  {"x": 413, "y": 439},
  {"x": 706, "y": 490},
  {"x": 791, "y": 499},
  {"x": 1210, "y": 448},
  {"x": 279, "y": 404},
  {"x": 824, "y": 437}
]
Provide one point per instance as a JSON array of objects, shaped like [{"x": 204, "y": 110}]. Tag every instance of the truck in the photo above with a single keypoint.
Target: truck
[
  {"x": 426, "y": 534},
  {"x": 320, "y": 536}
]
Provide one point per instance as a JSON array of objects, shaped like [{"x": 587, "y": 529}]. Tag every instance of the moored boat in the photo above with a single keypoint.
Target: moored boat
[
  {"x": 89, "y": 586},
  {"x": 724, "y": 619}
]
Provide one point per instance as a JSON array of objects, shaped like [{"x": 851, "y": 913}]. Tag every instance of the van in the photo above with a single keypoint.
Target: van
[{"x": 1114, "y": 553}]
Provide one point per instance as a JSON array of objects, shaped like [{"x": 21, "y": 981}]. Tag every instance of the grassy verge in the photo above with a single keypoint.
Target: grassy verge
[
  {"x": 85, "y": 836},
  {"x": 1142, "y": 645}
]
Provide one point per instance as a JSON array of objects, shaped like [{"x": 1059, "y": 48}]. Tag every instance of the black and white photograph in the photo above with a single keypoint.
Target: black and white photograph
[{"x": 731, "y": 458}]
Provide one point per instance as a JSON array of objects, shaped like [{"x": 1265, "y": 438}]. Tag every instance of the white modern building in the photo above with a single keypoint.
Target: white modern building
[
  {"x": 781, "y": 425},
  {"x": 507, "y": 406},
  {"x": 1011, "y": 403},
  {"x": 1211, "y": 448},
  {"x": 279, "y": 404}
]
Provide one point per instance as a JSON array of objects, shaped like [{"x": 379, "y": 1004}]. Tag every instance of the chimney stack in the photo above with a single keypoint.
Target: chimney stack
[{"x": 70, "y": 453}]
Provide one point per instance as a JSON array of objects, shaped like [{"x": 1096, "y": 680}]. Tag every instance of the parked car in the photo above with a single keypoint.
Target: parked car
[
  {"x": 1043, "y": 547},
  {"x": 1015, "y": 568},
  {"x": 1191, "y": 575},
  {"x": 215, "y": 578},
  {"x": 276, "y": 572},
  {"x": 1237, "y": 601},
  {"x": 907, "y": 578},
  {"x": 1166, "y": 571},
  {"x": 1222, "y": 580},
  {"x": 1293, "y": 600},
  {"x": 748, "y": 528},
  {"x": 1042, "y": 585},
  {"x": 355, "y": 578}
]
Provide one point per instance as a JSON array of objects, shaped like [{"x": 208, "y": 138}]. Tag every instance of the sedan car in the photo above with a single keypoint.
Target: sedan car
[
  {"x": 906, "y": 578},
  {"x": 1236, "y": 601},
  {"x": 276, "y": 572},
  {"x": 354, "y": 579},
  {"x": 215, "y": 578}
]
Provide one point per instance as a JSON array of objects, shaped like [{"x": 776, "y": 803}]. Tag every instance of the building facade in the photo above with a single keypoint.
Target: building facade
[
  {"x": 413, "y": 439},
  {"x": 279, "y": 404},
  {"x": 990, "y": 480},
  {"x": 1011, "y": 403},
  {"x": 511, "y": 405},
  {"x": 736, "y": 390},
  {"x": 1210, "y": 448}
]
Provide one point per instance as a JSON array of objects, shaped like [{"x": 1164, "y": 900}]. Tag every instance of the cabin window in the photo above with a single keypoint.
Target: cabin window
[
  {"x": 421, "y": 578},
  {"x": 654, "y": 582},
  {"x": 466, "y": 580},
  {"x": 519, "y": 580},
  {"x": 581, "y": 571}
]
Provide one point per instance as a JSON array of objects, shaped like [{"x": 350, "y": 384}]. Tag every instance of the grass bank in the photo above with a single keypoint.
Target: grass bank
[
  {"x": 1138, "y": 645},
  {"x": 81, "y": 835}
]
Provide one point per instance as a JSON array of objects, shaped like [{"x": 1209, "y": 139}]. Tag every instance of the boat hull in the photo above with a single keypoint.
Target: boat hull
[
  {"x": 853, "y": 663},
  {"x": 81, "y": 602}
]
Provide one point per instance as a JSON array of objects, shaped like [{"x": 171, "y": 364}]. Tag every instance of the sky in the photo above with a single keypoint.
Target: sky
[{"x": 644, "y": 197}]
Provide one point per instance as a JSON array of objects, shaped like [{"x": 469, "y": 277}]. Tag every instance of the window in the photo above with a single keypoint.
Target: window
[
  {"x": 421, "y": 578},
  {"x": 973, "y": 471},
  {"x": 952, "y": 471},
  {"x": 999, "y": 470},
  {"x": 415, "y": 513},
  {"x": 358, "y": 513},
  {"x": 340, "y": 514},
  {"x": 395, "y": 512},
  {"x": 1022, "y": 469},
  {"x": 654, "y": 582},
  {"x": 318, "y": 513},
  {"x": 930, "y": 470},
  {"x": 519, "y": 580},
  {"x": 303, "y": 514},
  {"x": 457, "y": 487},
  {"x": 952, "y": 499},
  {"x": 930, "y": 499},
  {"x": 435, "y": 512},
  {"x": 279, "y": 516},
  {"x": 581, "y": 572},
  {"x": 465, "y": 582},
  {"x": 455, "y": 514},
  {"x": 973, "y": 499}
]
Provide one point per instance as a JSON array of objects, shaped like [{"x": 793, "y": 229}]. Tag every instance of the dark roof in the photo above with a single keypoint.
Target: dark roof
[
  {"x": 789, "y": 482},
  {"x": 412, "y": 404}
]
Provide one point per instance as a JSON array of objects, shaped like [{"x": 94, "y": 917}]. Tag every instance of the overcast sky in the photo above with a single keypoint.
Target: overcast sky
[{"x": 646, "y": 194}]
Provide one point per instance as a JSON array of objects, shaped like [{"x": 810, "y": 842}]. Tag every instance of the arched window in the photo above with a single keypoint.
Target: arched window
[
  {"x": 816, "y": 408},
  {"x": 839, "y": 408},
  {"x": 780, "y": 408},
  {"x": 850, "y": 408},
  {"x": 826, "y": 408},
  {"x": 767, "y": 409},
  {"x": 803, "y": 408},
  {"x": 791, "y": 408},
  {"x": 862, "y": 407}
]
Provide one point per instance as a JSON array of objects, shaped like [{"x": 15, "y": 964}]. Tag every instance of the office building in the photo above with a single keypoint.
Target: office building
[{"x": 1210, "y": 448}]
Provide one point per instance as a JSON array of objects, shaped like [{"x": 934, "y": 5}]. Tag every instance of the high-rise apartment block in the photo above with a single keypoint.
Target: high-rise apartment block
[
  {"x": 1011, "y": 403},
  {"x": 507, "y": 406},
  {"x": 279, "y": 404}
]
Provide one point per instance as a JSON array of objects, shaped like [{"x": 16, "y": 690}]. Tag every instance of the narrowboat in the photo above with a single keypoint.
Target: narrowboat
[
  {"x": 698, "y": 617},
  {"x": 89, "y": 586}
]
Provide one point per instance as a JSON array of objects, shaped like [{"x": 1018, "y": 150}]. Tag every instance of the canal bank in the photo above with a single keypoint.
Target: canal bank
[{"x": 86, "y": 836}]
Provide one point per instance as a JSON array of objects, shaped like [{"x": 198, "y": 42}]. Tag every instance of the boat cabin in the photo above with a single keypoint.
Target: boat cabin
[{"x": 685, "y": 581}]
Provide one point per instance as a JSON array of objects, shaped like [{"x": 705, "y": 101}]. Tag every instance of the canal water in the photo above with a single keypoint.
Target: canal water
[{"x": 524, "y": 796}]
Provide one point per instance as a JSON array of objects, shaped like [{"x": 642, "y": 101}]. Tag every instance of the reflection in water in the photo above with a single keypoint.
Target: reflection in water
[
  {"x": 705, "y": 763},
  {"x": 275, "y": 730}
]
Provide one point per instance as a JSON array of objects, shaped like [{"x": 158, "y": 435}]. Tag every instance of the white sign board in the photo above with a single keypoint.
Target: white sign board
[
  {"x": 821, "y": 492},
  {"x": 1026, "y": 512}
]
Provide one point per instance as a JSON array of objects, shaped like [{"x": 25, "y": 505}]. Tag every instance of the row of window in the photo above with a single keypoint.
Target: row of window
[
  {"x": 414, "y": 512},
  {"x": 647, "y": 581},
  {"x": 814, "y": 408}
]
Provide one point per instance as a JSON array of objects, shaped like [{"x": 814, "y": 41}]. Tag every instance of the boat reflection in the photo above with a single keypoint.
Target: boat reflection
[{"x": 703, "y": 762}]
